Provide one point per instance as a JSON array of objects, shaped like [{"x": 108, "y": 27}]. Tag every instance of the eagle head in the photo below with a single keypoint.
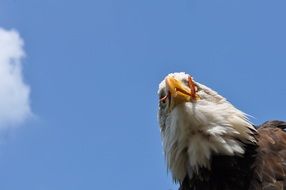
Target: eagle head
[{"x": 197, "y": 123}]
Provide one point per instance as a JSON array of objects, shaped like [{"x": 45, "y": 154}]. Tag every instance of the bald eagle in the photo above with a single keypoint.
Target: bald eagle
[{"x": 211, "y": 145}]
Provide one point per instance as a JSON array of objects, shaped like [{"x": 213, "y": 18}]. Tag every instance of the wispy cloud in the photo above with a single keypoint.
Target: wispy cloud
[{"x": 14, "y": 92}]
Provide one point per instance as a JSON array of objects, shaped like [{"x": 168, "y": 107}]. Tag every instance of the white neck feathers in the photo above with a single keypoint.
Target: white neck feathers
[{"x": 196, "y": 131}]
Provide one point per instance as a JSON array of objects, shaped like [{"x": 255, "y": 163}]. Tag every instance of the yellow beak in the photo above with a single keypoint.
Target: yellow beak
[
  {"x": 178, "y": 90},
  {"x": 181, "y": 92}
]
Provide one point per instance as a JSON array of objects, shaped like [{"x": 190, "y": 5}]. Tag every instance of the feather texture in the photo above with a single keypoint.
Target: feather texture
[
  {"x": 270, "y": 162},
  {"x": 262, "y": 167}
]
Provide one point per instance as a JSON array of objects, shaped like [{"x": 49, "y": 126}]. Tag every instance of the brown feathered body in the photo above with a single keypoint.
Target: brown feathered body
[{"x": 261, "y": 167}]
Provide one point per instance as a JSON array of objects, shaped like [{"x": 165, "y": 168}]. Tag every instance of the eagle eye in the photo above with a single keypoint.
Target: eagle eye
[{"x": 164, "y": 97}]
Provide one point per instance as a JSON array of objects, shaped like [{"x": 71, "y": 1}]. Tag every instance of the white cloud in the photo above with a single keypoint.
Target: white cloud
[{"x": 14, "y": 93}]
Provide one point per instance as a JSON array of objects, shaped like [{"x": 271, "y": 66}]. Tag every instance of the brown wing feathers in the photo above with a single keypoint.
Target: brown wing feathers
[{"x": 270, "y": 164}]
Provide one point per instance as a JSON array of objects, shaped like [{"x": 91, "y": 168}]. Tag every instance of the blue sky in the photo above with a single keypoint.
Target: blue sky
[{"x": 93, "y": 68}]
